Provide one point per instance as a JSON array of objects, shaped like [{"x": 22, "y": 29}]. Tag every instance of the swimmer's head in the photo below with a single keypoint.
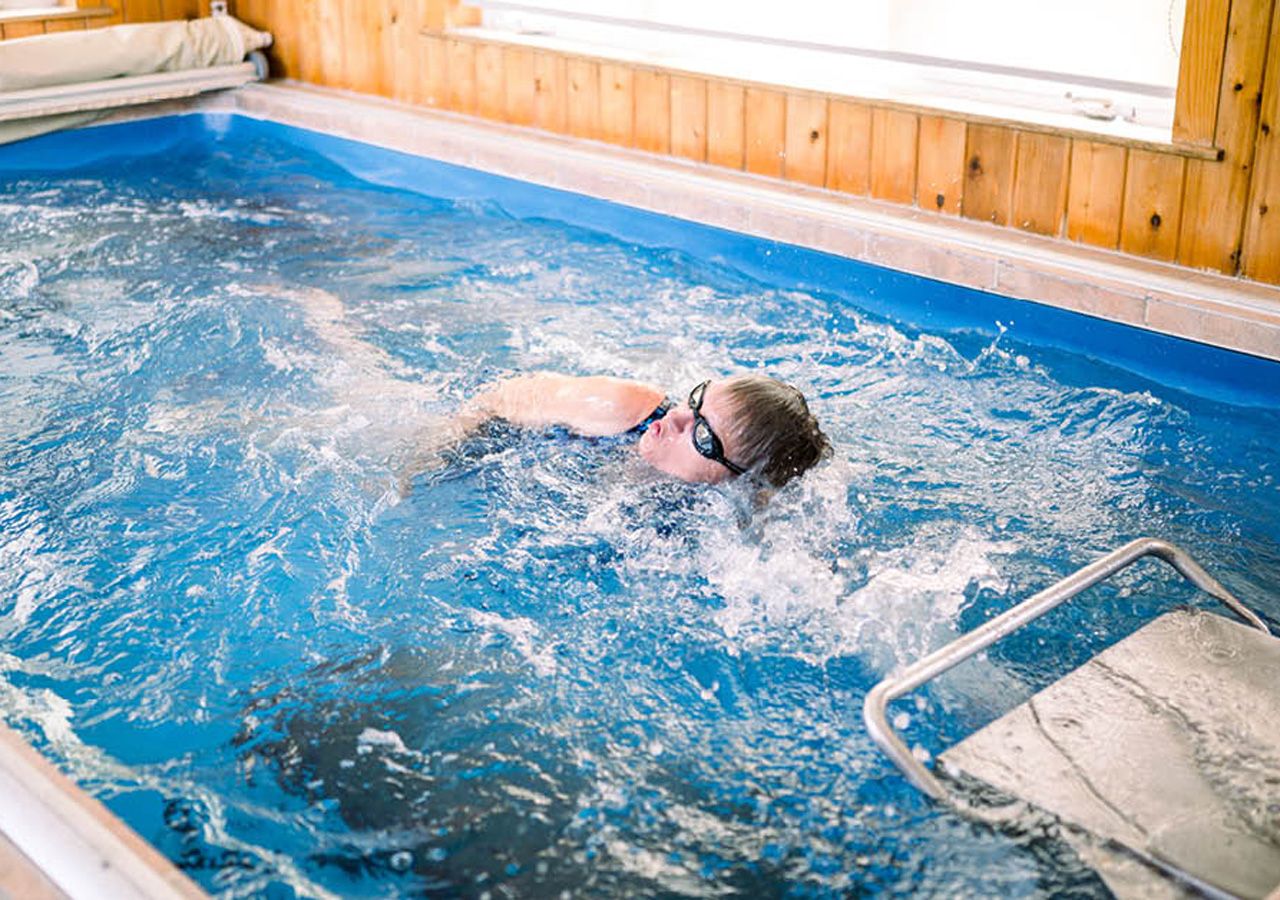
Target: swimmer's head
[{"x": 750, "y": 423}]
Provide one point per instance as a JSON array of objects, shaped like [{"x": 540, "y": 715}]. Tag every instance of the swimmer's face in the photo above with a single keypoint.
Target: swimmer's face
[{"x": 668, "y": 444}]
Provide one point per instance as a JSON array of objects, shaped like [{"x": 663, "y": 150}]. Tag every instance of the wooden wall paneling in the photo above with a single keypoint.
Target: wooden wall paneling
[
  {"x": 652, "y": 111},
  {"x": 285, "y": 23},
  {"x": 179, "y": 9},
  {"x": 894, "y": 138},
  {"x": 1095, "y": 193},
  {"x": 1217, "y": 192},
  {"x": 117, "y": 12},
  {"x": 518, "y": 63},
  {"x": 550, "y": 93},
  {"x": 1152, "y": 204},
  {"x": 1260, "y": 251},
  {"x": 1040, "y": 191},
  {"x": 1200, "y": 70},
  {"x": 369, "y": 54},
  {"x": 407, "y": 62},
  {"x": 689, "y": 117},
  {"x": 305, "y": 33},
  {"x": 766, "y": 121},
  {"x": 461, "y": 67},
  {"x": 617, "y": 103},
  {"x": 333, "y": 50},
  {"x": 940, "y": 164},
  {"x": 433, "y": 69},
  {"x": 23, "y": 29},
  {"x": 383, "y": 18},
  {"x": 849, "y": 147},
  {"x": 990, "y": 167},
  {"x": 805, "y": 144},
  {"x": 583, "y": 98},
  {"x": 53, "y": 26},
  {"x": 726, "y": 124},
  {"x": 491, "y": 99},
  {"x": 152, "y": 11}
]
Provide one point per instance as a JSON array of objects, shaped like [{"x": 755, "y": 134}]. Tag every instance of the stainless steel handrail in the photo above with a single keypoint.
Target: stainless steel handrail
[{"x": 874, "y": 708}]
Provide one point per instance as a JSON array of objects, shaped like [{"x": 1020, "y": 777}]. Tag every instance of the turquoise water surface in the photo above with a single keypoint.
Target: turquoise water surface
[{"x": 545, "y": 668}]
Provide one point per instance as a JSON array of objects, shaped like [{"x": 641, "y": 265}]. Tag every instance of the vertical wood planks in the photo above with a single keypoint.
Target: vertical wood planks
[
  {"x": 617, "y": 103},
  {"x": 726, "y": 125},
  {"x": 406, "y": 67},
  {"x": 1216, "y": 193},
  {"x": 583, "y": 98},
  {"x": 940, "y": 164},
  {"x": 1152, "y": 208},
  {"x": 518, "y": 63},
  {"x": 1260, "y": 252},
  {"x": 1040, "y": 192},
  {"x": 491, "y": 100},
  {"x": 460, "y": 67},
  {"x": 550, "y": 88},
  {"x": 433, "y": 69},
  {"x": 849, "y": 147},
  {"x": 1199, "y": 70},
  {"x": 893, "y": 155},
  {"x": 303, "y": 32},
  {"x": 150, "y": 11},
  {"x": 652, "y": 111},
  {"x": 805, "y": 144},
  {"x": 765, "y": 114},
  {"x": 330, "y": 51},
  {"x": 287, "y": 41},
  {"x": 179, "y": 9},
  {"x": 689, "y": 117},
  {"x": 989, "y": 172},
  {"x": 1095, "y": 193}
]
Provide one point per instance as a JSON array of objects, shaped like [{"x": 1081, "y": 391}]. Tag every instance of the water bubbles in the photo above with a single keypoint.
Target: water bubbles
[
  {"x": 401, "y": 861},
  {"x": 901, "y": 721}
]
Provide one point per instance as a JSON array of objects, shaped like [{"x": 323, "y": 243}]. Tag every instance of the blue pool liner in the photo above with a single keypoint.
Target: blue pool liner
[{"x": 910, "y": 300}]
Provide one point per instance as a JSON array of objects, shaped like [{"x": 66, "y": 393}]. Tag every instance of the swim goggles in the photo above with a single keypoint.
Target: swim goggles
[{"x": 704, "y": 439}]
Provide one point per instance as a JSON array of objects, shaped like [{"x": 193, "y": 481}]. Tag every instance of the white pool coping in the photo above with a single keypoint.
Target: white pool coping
[
  {"x": 1202, "y": 306},
  {"x": 57, "y": 841}
]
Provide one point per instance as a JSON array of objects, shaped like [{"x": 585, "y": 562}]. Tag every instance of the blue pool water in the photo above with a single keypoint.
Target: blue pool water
[{"x": 545, "y": 669}]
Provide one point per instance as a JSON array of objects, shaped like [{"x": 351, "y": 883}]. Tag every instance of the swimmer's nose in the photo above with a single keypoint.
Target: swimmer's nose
[{"x": 680, "y": 417}]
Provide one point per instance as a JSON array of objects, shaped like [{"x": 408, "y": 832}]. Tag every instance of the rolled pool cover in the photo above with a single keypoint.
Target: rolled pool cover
[{"x": 72, "y": 57}]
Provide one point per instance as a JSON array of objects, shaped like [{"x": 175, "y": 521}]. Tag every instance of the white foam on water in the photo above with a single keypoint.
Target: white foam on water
[{"x": 525, "y": 636}]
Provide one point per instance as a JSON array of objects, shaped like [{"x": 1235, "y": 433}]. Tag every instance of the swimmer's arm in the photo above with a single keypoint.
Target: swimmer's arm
[{"x": 590, "y": 405}]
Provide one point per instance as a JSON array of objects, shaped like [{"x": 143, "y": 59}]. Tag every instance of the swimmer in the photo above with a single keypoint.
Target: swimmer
[
  {"x": 742, "y": 425},
  {"x": 745, "y": 424}
]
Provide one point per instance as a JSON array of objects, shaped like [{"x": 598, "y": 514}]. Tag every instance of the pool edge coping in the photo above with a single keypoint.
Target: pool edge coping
[
  {"x": 69, "y": 843},
  {"x": 1201, "y": 306}
]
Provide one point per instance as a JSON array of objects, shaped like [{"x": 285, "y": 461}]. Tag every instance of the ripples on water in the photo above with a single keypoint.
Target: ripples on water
[{"x": 546, "y": 668}]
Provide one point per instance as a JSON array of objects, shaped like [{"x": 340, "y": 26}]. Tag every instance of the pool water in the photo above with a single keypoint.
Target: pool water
[{"x": 537, "y": 668}]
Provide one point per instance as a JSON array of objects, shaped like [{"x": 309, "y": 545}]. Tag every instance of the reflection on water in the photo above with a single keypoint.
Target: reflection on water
[{"x": 544, "y": 668}]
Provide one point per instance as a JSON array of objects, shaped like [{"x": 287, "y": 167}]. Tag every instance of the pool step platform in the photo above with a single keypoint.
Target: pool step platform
[{"x": 1161, "y": 754}]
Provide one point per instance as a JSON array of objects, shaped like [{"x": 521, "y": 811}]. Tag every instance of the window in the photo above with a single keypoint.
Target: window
[{"x": 1105, "y": 65}]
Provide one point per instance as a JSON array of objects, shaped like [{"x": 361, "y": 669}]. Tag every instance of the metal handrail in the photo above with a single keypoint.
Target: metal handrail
[{"x": 874, "y": 708}]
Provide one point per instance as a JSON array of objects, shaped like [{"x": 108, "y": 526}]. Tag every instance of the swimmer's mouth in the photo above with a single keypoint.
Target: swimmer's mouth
[{"x": 656, "y": 427}]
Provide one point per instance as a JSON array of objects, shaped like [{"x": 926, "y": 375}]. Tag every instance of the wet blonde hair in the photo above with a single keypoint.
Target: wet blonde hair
[{"x": 775, "y": 436}]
